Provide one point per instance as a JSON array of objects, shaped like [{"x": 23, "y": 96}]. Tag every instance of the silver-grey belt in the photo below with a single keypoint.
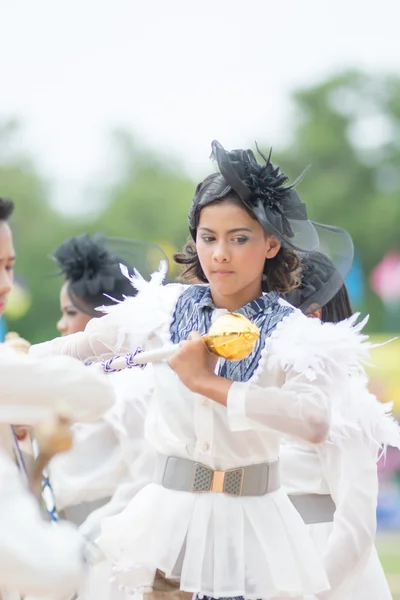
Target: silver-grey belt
[
  {"x": 314, "y": 508},
  {"x": 184, "y": 475}
]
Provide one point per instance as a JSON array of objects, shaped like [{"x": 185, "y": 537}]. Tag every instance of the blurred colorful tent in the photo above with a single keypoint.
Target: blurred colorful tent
[
  {"x": 355, "y": 283},
  {"x": 2, "y": 329},
  {"x": 385, "y": 372}
]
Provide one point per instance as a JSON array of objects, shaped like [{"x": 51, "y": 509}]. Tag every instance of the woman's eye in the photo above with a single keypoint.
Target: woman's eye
[
  {"x": 207, "y": 238},
  {"x": 10, "y": 268},
  {"x": 71, "y": 313},
  {"x": 241, "y": 239}
]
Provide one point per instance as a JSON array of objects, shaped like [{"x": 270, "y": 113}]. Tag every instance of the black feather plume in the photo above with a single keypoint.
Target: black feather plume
[
  {"x": 90, "y": 269},
  {"x": 263, "y": 188}
]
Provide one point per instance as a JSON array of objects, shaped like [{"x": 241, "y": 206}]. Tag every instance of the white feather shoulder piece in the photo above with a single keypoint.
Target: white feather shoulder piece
[
  {"x": 309, "y": 346},
  {"x": 138, "y": 317},
  {"x": 340, "y": 350}
]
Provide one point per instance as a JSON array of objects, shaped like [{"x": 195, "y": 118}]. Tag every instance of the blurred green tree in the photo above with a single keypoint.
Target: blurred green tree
[
  {"x": 150, "y": 200},
  {"x": 347, "y": 129},
  {"x": 37, "y": 230}
]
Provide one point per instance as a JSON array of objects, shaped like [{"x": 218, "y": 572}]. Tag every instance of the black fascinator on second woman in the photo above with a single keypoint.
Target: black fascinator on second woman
[
  {"x": 91, "y": 267},
  {"x": 263, "y": 190},
  {"x": 324, "y": 272}
]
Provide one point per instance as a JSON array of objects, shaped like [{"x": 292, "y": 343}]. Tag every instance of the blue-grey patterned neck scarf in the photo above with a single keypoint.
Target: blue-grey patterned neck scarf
[{"x": 193, "y": 312}]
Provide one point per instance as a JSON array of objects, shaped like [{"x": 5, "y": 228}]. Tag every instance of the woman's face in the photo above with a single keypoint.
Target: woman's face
[
  {"x": 7, "y": 260},
  {"x": 315, "y": 312},
  {"x": 232, "y": 249},
  {"x": 72, "y": 320}
]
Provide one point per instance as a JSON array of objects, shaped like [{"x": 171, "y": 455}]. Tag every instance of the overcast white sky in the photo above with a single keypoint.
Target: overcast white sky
[{"x": 177, "y": 72}]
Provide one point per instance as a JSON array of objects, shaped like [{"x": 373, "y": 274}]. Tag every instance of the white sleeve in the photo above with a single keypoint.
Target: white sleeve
[
  {"x": 33, "y": 390},
  {"x": 101, "y": 339},
  {"x": 299, "y": 408},
  {"x": 126, "y": 325},
  {"x": 350, "y": 469},
  {"x": 315, "y": 359},
  {"x": 91, "y": 470},
  {"x": 36, "y": 557}
]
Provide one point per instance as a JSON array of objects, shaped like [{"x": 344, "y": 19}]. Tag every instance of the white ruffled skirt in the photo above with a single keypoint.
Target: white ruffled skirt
[
  {"x": 98, "y": 584},
  {"x": 220, "y": 546}
]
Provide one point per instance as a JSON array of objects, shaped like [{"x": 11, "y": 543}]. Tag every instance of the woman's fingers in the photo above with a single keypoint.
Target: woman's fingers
[
  {"x": 21, "y": 432},
  {"x": 194, "y": 335}
]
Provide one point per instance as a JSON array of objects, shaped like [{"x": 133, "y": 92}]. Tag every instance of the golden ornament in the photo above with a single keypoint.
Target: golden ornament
[{"x": 232, "y": 336}]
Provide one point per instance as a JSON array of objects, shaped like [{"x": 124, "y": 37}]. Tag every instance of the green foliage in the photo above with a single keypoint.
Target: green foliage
[
  {"x": 37, "y": 228},
  {"x": 150, "y": 202},
  {"x": 347, "y": 128}
]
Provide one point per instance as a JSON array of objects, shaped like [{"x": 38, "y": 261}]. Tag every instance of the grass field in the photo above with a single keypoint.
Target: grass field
[{"x": 388, "y": 546}]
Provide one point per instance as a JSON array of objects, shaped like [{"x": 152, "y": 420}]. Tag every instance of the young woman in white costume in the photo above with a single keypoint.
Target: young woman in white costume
[
  {"x": 217, "y": 426},
  {"x": 86, "y": 477},
  {"x": 37, "y": 557},
  {"x": 335, "y": 484}
]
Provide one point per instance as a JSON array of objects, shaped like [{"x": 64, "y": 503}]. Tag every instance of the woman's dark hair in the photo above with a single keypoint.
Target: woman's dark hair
[
  {"x": 281, "y": 273},
  {"x": 338, "y": 308},
  {"x": 6, "y": 209}
]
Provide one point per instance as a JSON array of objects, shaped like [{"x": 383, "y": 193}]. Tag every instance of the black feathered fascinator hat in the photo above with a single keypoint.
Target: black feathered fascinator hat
[
  {"x": 91, "y": 266},
  {"x": 264, "y": 191}
]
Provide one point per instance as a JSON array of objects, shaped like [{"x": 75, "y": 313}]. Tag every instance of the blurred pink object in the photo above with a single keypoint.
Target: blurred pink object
[{"x": 385, "y": 278}]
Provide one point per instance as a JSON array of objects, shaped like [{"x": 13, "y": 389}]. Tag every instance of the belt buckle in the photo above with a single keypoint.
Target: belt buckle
[
  {"x": 218, "y": 481},
  {"x": 202, "y": 478},
  {"x": 206, "y": 479},
  {"x": 233, "y": 482}
]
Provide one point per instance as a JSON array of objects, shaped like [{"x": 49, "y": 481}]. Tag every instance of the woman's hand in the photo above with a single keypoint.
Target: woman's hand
[
  {"x": 21, "y": 432},
  {"x": 17, "y": 343},
  {"x": 195, "y": 367},
  {"x": 193, "y": 363}
]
